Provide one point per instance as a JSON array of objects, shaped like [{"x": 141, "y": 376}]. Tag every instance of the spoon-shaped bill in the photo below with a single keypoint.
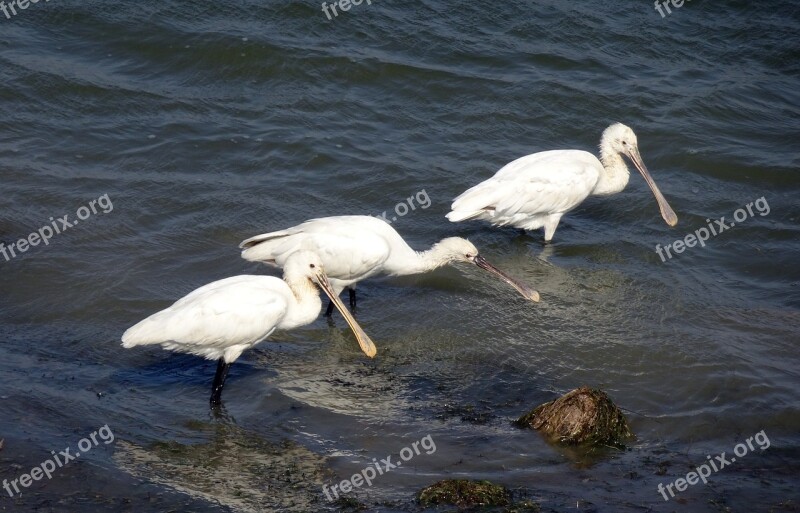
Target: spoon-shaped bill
[
  {"x": 363, "y": 339},
  {"x": 527, "y": 292},
  {"x": 666, "y": 211}
]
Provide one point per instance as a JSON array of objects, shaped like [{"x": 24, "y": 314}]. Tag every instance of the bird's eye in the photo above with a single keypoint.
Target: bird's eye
[
  {"x": 468, "y": 255},
  {"x": 312, "y": 266},
  {"x": 624, "y": 143}
]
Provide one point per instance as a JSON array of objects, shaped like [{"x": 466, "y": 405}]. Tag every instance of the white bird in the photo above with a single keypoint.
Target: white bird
[
  {"x": 221, "y": 320},
  {"x": 354, "y": 248},
  {"x": 535, "y": 191}
]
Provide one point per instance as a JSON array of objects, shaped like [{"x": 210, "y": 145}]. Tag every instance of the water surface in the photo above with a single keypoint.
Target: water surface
[{"x": 205, "y": 125}]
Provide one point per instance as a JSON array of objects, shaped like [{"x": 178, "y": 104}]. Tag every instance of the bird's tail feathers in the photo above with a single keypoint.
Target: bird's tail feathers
[
  {"x": 473, "y": 203},
  {"x": 457, "y": 216},
  {"x": 272, "y": 248},
  {"x": 258, "y": 239},
  {"x": 144, "y": 333}
]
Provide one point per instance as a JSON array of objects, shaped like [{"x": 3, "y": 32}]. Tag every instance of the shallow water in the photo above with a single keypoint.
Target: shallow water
[{"x": 205, "y": 125}]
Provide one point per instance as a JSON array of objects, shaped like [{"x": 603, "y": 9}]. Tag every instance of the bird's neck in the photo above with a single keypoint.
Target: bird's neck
[
  {"x": 306, "y": 307},
  {"x": 433, "y": 258},
  {"x": 615, "y": 173},
  {"x": 416, "y": 262}
]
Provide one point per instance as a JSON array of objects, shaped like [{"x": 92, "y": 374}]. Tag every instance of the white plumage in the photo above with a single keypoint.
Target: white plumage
[
  {"x": 354, "y": 248},
  {"x": 226, "y": 317},
  {"x": 536, "y": 190}
]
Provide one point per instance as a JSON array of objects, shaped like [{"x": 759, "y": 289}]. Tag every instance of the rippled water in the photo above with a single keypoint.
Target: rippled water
[{"x": 205, "y": 125}]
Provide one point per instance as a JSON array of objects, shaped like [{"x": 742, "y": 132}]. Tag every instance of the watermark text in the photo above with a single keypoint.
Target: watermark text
[
  {"x": 404, "y": 207},
  {"x": 344, "y": 5},
  {"x": 664, "y": 4},
  {"x": 701, "y": 235},
  {"x": 13, "y": 5},
  {"x": 718, "y": 463},
  {"x": 379, "y": 468},
  {"x": 55, "y": 227},
  {"x": 47, "y": 468}
]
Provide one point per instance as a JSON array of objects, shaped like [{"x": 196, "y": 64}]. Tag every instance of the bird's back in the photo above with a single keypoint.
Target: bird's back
[
  {"x": 237, "y": 311},
  {"x": 540, "y": 184},
  {"x": 351, "y": 247}
]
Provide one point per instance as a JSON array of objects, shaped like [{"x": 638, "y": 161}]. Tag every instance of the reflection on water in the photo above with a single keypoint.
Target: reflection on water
[{"x": 232, "y": 467}]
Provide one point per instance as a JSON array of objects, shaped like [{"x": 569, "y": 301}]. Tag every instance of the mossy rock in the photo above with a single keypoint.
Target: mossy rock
[
  {"x": 524, "y": 507},
  {"x": 464, "y": 494},
  {"x": 584, "y": 416},
  {"x": 349, "y": 504}
]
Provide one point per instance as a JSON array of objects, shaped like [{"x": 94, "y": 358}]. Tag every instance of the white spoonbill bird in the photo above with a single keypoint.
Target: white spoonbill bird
[
  {"x": 535, "y": 191},
  {"x": 354, "y": 248},
  {"x": 221, "y": 320}
]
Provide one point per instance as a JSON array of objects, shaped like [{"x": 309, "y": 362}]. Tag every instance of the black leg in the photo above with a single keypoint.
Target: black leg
[
  {"x": 219, "y": 381},
  {"x": 352, "y": 299},
  {"x": 329, "y": 310}
]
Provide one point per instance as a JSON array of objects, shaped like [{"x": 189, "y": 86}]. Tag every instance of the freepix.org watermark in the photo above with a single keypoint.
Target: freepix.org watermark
[
  {"x": 56, "y": 226},
  {"x": 718, "y": 463},
  {"x": 380, "y": 468},
  {"x": 404, "y": 207},
  {"x": 344, "y": 5},
  {"x": 701, "y": 235},
  {"x": 664, "y": 4},
  {"x": 11, "y": 9},
  {"x": 62, "y": 458}
]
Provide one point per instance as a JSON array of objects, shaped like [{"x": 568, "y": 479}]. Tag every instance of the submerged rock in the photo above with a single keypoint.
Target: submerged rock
[
  {"x": 527, "y": 506},
  {"x": 232, "y": 467},
  {"x": 464, "y": 494},
  {"x": 583, "y": 416},
  {"x": 349, "y": 505}
]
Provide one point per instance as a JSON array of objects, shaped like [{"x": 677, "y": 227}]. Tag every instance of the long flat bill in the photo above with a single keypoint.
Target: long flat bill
[
  {"x": 666, "y": 211},
  {"x": 363, "y": 339},
  {"x": 527, "y": 292}
]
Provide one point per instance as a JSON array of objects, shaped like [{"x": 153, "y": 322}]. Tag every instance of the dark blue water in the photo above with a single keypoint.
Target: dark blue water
[{"x": 207, "y": 124}]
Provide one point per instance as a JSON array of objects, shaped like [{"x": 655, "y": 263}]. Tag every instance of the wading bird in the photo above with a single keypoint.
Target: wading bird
[
  {"x": 354, "y": 248},
  {"x": 221, "y": 320},
  {"x": 535, "y": 191}
]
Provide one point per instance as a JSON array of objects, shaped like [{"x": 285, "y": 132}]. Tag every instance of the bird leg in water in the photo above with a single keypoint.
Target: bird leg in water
[
  {"x": 329, "y": 310},
  {"x": 219, "y": 381}
]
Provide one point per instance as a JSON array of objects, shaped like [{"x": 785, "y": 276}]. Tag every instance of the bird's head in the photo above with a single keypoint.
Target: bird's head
[
  {"x": 307, "y": 264},
  {"x": 456, "y": 249},
  {"x": 620, "y": 139}
]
